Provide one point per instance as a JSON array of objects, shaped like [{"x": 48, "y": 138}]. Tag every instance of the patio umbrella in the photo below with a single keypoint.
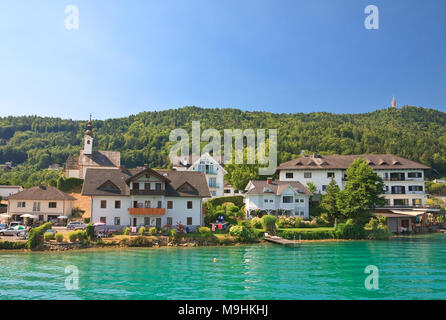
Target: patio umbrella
[
  {"x": 5, "y": 216},
  {"x": 62, "y": 217},
  {"x": 27, "y": 215},
  {"x": 99, "y": 224}
]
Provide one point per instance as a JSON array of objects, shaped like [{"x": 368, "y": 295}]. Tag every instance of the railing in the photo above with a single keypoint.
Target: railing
[{"x": 144, "y": 192}]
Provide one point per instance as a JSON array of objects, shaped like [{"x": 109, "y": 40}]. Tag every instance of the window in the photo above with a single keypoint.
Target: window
[
  {"x": 301, "y": 213},
  {"x": 414, "y": 175},
  {"x": 324, "y": 187},
  {"x": 41, "y": 217},
  {"x": 147, "y": 186},
  {"x": 330, "y": 175},
  {"x": 287, "y": 199},
  {"x": 266, "y": 200},
  {"x": 88, "y": 142},
  {"x": 271, "y": 201},
  {"x": 289, "y": 175},
  {"x": 158, "y": 186},
  {"x": 36, "y": 206},
  {"x": 169, "y": 204},
  {"x": 307, "y": 175},
  {"x": 415, "y": 188},
  {"x": 117, "y": 221},
  {"x": 189, "y": 221},
  {"x": 103, "y": 219},
  {"x": 135, "y": 186},
  {"x": 189, "y": 205},
  {"x": 416, "y": 202},
  {"x": 169, "y": 221},
  {"x": 160, "y": 203},
  {"x": 52, "y": 205},
  {"x": 227, "y": 190},
  {"x": 302, "y": 200},
  {"x": 103, "y": 204},
  {"x": 214, "y": 193},
  {"x": 147, "y": 204},
  {"x": 21, "y": 204},
  {"x": 213, "y": 182},
  {"x": 146, "y": 221}
]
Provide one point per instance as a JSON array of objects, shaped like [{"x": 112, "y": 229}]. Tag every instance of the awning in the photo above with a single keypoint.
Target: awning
[{"x": 409, "y": 213}]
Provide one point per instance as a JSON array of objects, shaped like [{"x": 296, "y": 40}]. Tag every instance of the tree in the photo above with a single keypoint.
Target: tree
[
  {"x": 362, "y": 193},
  {"x": 329, "y": 201},
  {"x": 311, "y": 187}
]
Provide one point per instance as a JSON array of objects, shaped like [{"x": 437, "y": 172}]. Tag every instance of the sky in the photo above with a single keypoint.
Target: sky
[{"x": 281, "y": 56}]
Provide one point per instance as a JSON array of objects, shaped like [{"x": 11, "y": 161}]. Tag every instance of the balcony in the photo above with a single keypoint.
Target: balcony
[{"x": 147, "y": 211}]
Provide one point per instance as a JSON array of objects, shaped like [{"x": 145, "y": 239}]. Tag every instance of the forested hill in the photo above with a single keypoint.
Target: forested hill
[{"x": 412, "y": 132}]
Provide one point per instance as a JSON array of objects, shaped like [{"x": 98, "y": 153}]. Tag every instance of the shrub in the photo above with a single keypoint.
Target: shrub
[
  {"x": 269, "y": 223},
  {"x": 138, "y": 241},
  {"x": 152, "y": 231},
  {"x": 142, "y": 231},
  {"x": 204, "y": 231},
  {"x": 48, "y": 236},
  {"x": 81, "y": 235},
  {"x": 14, "y": 245},
  {"x": 68, "y": 184},
  {"x": 59, "y": 237},
  {"x": 89, "y": 230},
  {"x": 173, "y": 233},
  {"x": 127, "y": 231},
  {"x": 256, "y": 223},
  {"x": 307, "y": 234},
  {"x": 242, "y": 233},
  {"x": 245, "y": 223},
  {"x": 350, "y": 230},
  {"x": 376, "y": 229},
  {"x": 236, "y": 200},
  {"x": 72, "y": 236},
  {"x": 35, "y": 237}
]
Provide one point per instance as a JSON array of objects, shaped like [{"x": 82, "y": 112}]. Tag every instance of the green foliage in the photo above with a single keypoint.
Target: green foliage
[
  {"x": 153, "y": 231},
  {"x": 350, "y": 230},
  {"x": 218, "y": 201},
  {"x": 127, "y": 231},
  {"x": 376, "y": 229},
  {"x": 35, "y": 236},
  {"x": 314, "y": 234},
  {"x": 48, "y": 236},
  {"x": 14, "y": 245},
  {"x": 142, "y": 231},
  {"x": 269, "y": 223},
  {"x": 35, "y": 142},
  {"x": 72, "y": 236},
  {"x": 311, "y": 186},
  {"x": 204, "y": 231},
  {"x": 69, "y": 184},
  {"x": 81, "y": 235},
  {"x": 245, "y": 223},
  {"x": 244, "y": 234},
  {"x": 59, "y": 237},
  {"x": 362, "y": 192},
  {"x": 329, "y": 201},
  {"x": 256, "y": 222},
  {"x": 139, "y": 241},
  {"x": 89, "y": 230}
]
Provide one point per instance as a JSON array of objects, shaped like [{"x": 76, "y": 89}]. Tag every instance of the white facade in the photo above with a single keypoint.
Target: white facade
[
  {"x": 403, "y": 187},
  {"x": 215, "y": 173},
  {"x": 295, "y": 203},
  {"x": 45, "y": 210},
  {"x": 6, "y": 191}
]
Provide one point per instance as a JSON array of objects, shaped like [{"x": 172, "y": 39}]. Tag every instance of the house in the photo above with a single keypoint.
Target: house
[
  {"x": 54, "y": 166},
  {"x": 212, "y": 167},
  {"x": 403, "y": 178},
  {"x": 47, "y": 203},
  {"x": 76, "y": 166},
  {"x": 229, "y": 191},
  {"x": 146, "y": 197},
  {"x": 277, "y": 197},
  {"x": 6, "y": 190},
  {"x": 7, "y": 166}
]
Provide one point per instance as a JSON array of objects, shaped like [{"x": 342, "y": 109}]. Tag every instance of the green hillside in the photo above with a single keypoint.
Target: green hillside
[{"x": 35, "y": 142}]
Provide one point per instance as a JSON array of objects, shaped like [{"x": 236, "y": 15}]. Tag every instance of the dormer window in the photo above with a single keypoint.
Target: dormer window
[
  {"x": 383, "y": 163},
  {"x": 135, "y": 185},
  {"x": 396, "y": 163},
  {"x": 312, "y": 163}
]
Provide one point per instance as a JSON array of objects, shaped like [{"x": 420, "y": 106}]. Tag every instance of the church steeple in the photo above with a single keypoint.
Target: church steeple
[
  {"x": 393, "y": 102},
  {"x": 88, "y": 139}
]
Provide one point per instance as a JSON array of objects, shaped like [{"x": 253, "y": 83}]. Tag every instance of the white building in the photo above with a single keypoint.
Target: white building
[
  {"x": 47, "y": 203},
  {"x": 210, "y": 166},
  {"x": 145, "y": 197},
  {"x": 76, "y": 166},
  {"x": 403, "y": 178},
  {"x": 6, "y": 191},
  {"x": 277, "y": 197}
]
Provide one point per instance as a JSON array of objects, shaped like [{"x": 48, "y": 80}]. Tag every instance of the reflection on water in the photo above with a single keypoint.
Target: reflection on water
[{"x": 409, "y": 268}]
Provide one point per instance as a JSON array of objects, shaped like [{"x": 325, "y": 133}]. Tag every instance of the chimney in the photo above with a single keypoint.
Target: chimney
[
  {"x": 302, "y": 153},
  {"x": 269, "y": 180}
]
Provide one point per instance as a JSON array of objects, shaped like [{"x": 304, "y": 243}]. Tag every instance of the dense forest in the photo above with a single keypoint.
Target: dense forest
[{"x": 34, "y": 142}]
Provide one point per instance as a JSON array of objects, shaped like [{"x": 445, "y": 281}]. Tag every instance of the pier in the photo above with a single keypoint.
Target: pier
[{"x": 282, "y": 241}]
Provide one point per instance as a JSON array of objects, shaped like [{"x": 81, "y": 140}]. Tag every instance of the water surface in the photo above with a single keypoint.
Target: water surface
[{"x": 410, "y": 268}]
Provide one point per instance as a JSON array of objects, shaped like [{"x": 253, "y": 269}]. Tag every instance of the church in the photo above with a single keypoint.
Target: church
[{"x": 76, "y": 166}]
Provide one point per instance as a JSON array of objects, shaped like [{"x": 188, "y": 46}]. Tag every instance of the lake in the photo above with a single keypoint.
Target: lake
[{"x": 409, "y": 268}]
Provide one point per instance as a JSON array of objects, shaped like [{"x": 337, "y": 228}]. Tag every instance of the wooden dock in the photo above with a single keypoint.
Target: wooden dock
[{"x": 282, "y": 241}]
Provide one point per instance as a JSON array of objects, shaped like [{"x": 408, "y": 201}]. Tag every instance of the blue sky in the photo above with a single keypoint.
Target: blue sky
[{"x": 279, "y": 56}]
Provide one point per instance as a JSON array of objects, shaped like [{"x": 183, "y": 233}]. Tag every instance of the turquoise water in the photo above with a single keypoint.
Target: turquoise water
[{"x": 412, "y": 268}]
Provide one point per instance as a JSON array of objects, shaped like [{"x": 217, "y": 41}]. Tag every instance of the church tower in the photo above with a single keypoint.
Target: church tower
[
  {"x": 88, "y": 139},
  {"x": 393, "y": 102}
]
